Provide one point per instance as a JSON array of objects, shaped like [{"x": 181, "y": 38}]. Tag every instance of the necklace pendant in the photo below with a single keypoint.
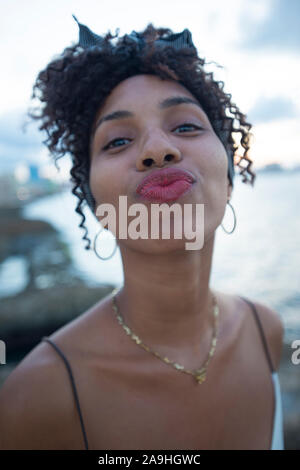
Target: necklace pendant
[{"x": 201, "y": 376}]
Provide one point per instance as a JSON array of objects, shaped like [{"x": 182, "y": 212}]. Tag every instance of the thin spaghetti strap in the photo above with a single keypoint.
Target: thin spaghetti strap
[
  {"x": 261, "y": 332},
  {"x": 45, "y": 338}
]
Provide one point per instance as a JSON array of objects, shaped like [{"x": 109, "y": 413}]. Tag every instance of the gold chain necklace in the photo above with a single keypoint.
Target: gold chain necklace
[{"x": 199, "y": 374}]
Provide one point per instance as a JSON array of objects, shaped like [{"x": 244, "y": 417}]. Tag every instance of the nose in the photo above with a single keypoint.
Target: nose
[{"x": 156, "y": 151}]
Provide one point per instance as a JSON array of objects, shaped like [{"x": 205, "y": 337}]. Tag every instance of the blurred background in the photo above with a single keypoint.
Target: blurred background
[{"x": 47, "y": 277}]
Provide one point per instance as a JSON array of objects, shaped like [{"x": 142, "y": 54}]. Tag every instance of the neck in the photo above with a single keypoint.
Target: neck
[{"x": 166, "y": 300}]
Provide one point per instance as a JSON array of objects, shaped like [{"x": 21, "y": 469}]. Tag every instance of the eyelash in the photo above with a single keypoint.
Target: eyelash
[{"x": 122, "y": 138}]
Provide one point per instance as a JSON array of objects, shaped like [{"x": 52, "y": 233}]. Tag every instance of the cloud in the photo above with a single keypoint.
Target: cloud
[
  {"x": 271, "y": 109},
  {"x": 276, "y": 141},
  {"x": 279, "y": 30}
]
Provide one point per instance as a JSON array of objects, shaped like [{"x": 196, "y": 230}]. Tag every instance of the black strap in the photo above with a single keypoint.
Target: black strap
[
  {"x": 261, "y": 332},
  {"x": 45, "y": 338}
]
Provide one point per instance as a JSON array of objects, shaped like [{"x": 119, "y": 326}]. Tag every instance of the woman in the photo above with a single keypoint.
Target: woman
[{"x": 197, "y": 367}]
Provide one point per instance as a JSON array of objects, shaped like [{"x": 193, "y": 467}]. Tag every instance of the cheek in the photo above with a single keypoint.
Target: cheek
[
  {"x": 214, "y": 161},
  {"x": 214, "y": 169},
  {"x": 102, "y": 182},
  {"x": 212, "y": 164}
]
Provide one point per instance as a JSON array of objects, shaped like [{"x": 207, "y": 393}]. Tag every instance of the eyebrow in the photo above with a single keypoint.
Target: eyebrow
[{"x": 166, "y": 103}]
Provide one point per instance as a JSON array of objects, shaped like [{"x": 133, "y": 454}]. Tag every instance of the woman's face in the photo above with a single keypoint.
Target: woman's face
[{"x": 154, "y": 137}]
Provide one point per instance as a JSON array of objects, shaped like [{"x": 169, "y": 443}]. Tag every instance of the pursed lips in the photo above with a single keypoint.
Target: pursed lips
[
  {"x": 165, "y": 177},
  {"x": 165, "y": 185}
]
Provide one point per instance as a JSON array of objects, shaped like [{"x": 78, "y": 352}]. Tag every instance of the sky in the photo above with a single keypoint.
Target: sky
[{"x": 256, "y": 42}]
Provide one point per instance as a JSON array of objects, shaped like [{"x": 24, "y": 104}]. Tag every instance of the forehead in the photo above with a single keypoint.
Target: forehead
[{"x": 149, "y": 88}]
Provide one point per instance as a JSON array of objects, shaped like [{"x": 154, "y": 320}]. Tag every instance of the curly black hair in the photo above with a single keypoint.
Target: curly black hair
[{"x": 75, "y": 84}]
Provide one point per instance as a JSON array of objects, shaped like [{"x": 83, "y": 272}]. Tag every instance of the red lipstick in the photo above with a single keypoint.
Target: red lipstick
[{"x": 165, "y": 185}]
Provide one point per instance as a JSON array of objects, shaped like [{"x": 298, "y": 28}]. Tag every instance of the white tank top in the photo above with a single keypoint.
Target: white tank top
[{"x": 277, "y": 439}]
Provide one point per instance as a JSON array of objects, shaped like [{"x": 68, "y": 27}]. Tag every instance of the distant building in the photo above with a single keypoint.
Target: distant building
[
  {"x": 23, "y": 184},
  {"x": 272, "y": 167},
  {"x": 8, "y": 194},
  {"x": 34, "y": 173}
]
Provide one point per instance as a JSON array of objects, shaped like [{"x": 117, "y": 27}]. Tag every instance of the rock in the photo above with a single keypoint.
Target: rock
[{"x": 39, "y": 309}]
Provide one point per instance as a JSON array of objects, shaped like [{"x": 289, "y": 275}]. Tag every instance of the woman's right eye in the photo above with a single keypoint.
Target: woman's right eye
[{"x": 112, "y": 142}]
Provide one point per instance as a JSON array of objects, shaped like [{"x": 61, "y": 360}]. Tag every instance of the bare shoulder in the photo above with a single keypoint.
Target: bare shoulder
[
  {"x": 273, "y": 327},
  {"x": 272, "y": 324},
  {"x": 37, "y": 406},
  {"x": 237, "y": 312}
]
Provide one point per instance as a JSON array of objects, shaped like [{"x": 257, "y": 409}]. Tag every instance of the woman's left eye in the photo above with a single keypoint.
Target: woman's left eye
[{"x": 188, "y": 124}]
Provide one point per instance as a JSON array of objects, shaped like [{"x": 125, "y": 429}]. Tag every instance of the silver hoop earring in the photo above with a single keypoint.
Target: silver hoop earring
[
  {"x": 234, "y": 223},
  {"x": 94, "y": 247}
]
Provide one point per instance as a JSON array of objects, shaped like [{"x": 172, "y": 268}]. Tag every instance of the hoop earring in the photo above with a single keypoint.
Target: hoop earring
[
  {"x": 94, "y": 247},
  {"x": 234, "y": 223}
]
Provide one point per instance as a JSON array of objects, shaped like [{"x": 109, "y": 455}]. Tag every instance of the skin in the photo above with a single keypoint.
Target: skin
[{"x": 130, "y": 399}]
